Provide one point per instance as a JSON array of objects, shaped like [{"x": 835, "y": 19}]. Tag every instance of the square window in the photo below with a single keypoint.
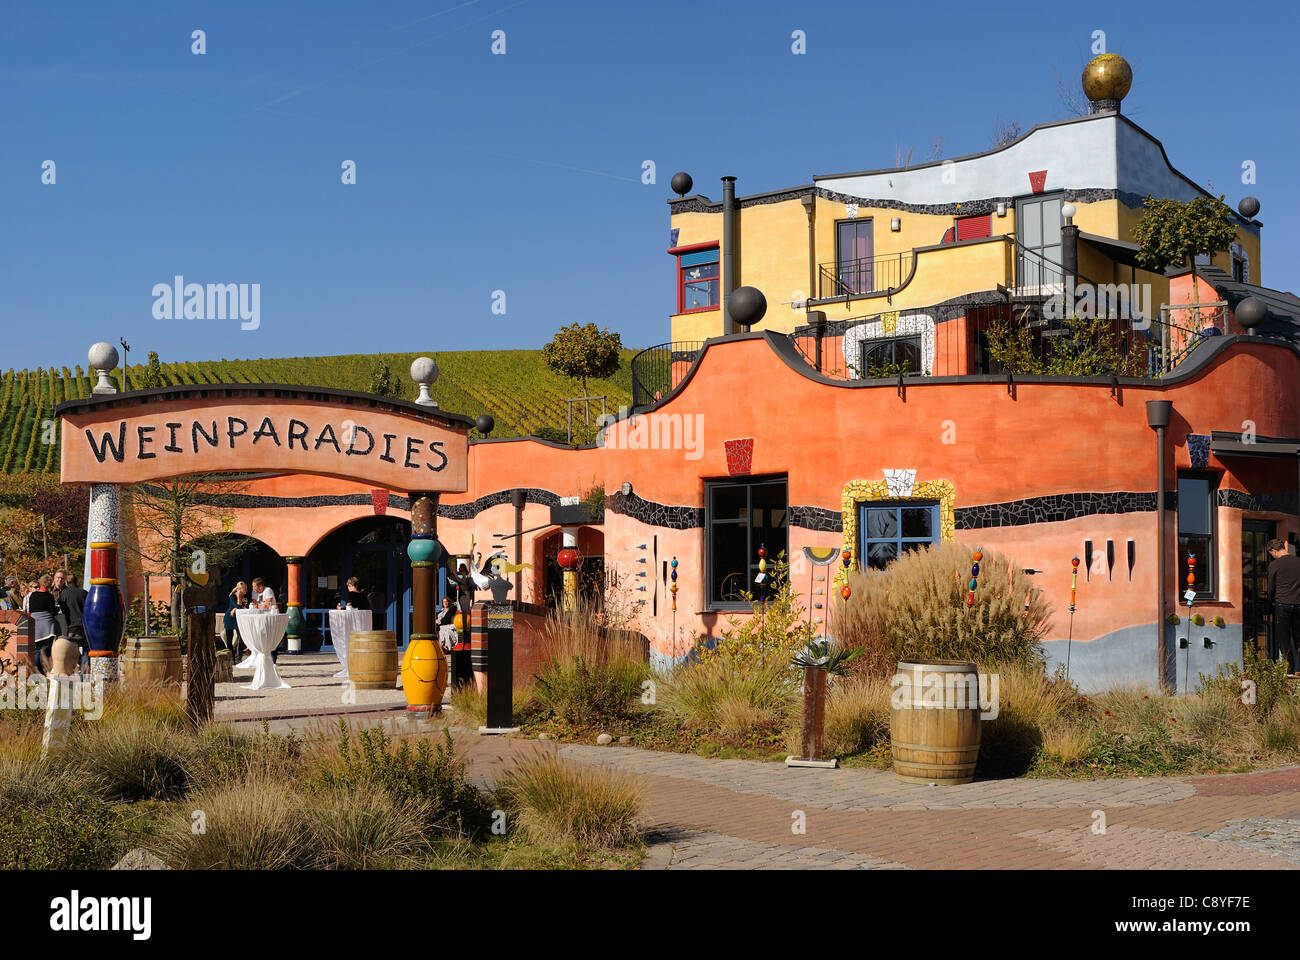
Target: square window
[{"x": 743, "y": 515}]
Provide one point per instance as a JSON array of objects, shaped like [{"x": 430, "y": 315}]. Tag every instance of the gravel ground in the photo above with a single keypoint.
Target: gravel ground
[{"x": 313, "y": 688}]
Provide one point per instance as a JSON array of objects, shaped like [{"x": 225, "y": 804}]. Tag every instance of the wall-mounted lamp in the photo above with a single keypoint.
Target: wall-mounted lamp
[
  {"x": 895, "y": 224},
  {"x": 627, "y": 491},
  {"x": 1002, "y": 209}
]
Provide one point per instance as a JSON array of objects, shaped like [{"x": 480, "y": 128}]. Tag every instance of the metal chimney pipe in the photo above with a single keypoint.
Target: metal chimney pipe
[{"x": 728, "y": 250}]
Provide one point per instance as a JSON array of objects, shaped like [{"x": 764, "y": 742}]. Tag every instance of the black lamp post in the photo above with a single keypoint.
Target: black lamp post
[{"x": 1158, "y": 415}]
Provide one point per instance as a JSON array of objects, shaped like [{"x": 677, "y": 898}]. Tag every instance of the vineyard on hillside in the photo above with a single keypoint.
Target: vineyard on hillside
[{"x": 514, "y": 386}]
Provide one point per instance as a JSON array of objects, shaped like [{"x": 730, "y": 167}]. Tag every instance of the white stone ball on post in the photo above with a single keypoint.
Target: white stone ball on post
[
  {"x": 424, "y": 372},
  {"x": 103, "y": 358}
]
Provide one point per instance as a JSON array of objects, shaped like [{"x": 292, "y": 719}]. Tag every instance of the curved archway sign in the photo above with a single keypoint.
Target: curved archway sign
[
  {"x": 113, "y": 439},
  {"x": 176, "y": 431}
]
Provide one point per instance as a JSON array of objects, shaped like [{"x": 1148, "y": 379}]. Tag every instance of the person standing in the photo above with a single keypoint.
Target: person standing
[
  {"x": 237, "y": 600},
  {"x": 72, "y": 603},
  {"x": 42, "y": 608},
  {"x": 1284, "y": 591}
]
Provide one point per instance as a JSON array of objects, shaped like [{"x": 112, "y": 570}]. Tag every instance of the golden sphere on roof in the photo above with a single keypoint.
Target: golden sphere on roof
[{"x": 1107, "y": 77}]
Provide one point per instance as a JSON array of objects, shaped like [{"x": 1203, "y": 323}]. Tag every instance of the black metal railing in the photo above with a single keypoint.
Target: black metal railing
[
  {"x": 657, "y": 370},
  {"x": 854, "y": 278}
]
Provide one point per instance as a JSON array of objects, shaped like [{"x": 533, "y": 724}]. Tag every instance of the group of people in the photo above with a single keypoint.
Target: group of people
[
  {"x": 261, "y": 597},
  {"x": 55, "y": 603}
]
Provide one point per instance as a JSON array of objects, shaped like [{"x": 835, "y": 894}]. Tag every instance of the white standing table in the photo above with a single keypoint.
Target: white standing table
[
  {"x": 262, "y": 631},
  {"x": 343, "y": 623}
]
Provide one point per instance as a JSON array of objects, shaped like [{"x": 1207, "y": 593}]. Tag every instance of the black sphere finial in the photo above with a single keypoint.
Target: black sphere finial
[
  {"x": 682, "y": 183},
  {"x": 1251, "y": 312},
  {"x": 1248, "y": 207},
  {"x": 484, "y": 423},
  {"x": 746, "y": 306}
]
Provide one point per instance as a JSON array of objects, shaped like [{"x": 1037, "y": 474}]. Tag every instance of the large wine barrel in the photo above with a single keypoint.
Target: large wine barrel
[
  {"x": 372, "y": 659},
  {"x": 147, "y": 660},
  {"x": 935, "y": 722}
]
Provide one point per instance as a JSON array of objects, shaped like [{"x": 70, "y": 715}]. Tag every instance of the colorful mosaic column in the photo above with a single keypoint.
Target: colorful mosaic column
[
  {"x": 568, "y": 559},
  {"x": 103, "y": 614},
  {"x": 492, "y": 653},
  {"x": 293, "y": 634},
  {"x": 424, "y": 666}
]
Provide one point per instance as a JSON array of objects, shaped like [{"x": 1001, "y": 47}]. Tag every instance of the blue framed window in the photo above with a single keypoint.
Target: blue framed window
[{"x": 890, "y": 528}]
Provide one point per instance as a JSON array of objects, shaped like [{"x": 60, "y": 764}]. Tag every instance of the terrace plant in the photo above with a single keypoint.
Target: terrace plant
[{"x": 1171, "y": 232}]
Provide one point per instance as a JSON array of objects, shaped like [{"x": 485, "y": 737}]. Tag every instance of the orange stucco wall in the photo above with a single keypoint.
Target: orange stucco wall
[{"x": 1044, "y": 439}]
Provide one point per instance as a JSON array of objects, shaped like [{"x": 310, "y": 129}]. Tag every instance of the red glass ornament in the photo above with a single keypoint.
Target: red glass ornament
[
  {"x": 567, "y": 558},
  {"x": 845, "y": 592}
]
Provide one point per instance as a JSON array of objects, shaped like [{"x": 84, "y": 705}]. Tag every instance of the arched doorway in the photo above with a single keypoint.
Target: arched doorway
[
  {"x": 239, "y": 557},
  {"x": 591, "y": 569},
  {"x": 372, "y": 549}
]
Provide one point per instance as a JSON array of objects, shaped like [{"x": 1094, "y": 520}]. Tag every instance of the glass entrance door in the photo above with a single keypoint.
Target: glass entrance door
[
  {"x": 1255, "y": 535},
  {"x": 1038, "y": 229}
]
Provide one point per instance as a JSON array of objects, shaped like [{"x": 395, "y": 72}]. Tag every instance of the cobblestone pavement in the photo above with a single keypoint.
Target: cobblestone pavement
[{"x": 744, "y": 814}]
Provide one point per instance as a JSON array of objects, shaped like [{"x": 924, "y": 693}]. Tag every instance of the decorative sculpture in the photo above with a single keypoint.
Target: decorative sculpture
[
  {"x": 1074, "y": 588},
  {"x": 974, "y": 576}
]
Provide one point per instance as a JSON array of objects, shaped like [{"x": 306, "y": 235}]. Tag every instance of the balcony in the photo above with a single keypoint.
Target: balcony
[{"x": 867, "y": 275}]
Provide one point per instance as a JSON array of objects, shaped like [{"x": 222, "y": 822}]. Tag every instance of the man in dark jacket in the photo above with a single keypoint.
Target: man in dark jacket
[
  {"x": 1284, "y": 590},
  {"x": 72, "y": 601}
]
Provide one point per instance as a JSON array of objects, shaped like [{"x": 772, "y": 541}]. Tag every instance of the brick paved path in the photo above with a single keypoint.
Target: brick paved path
[{"x": 745, "y": 814}]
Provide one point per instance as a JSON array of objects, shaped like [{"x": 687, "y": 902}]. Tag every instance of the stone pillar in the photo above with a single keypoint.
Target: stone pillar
[
  {"x": 103, "y": 615},
  {"x": 293, "y": 634}
]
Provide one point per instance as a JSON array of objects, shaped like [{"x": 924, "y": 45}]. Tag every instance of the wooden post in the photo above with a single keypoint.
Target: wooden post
[
  {"x": 200, "y": 689},
  {"x": 814, "y": 711}
]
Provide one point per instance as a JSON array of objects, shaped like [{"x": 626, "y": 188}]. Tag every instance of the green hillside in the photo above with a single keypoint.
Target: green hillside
[{"x": 515, "y": 386}]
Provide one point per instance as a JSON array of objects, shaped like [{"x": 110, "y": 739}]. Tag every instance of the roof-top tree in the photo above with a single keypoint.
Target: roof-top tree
[
  {"x": 1170, "y": 232},
  {"x": 583, "y": 352}
]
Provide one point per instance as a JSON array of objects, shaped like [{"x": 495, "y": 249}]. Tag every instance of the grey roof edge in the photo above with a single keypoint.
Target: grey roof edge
[{"x": 182, "y": 391}]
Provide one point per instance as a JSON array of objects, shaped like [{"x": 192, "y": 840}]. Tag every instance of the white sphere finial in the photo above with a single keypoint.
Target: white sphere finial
[
  {"x": 1068, "y": 211},
  {"x": 103, "y": 358},
  {"x": 424, "y": 372}
]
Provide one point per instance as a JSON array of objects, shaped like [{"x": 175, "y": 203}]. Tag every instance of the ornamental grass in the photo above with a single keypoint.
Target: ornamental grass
[{"x": 553, "y": 803}]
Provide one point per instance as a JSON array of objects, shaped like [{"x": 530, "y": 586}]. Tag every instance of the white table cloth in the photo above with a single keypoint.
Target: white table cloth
[
  {"x": 343, "y": 623},
  {"x": 262, "y": 632}
]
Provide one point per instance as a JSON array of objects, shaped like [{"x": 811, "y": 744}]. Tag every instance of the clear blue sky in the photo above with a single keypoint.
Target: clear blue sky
[{"x": 522, "y": 172}]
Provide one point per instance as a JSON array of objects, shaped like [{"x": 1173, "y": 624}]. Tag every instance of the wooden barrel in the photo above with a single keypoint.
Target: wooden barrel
[
  {"x": 935, "y": 722},
  {"x": 152, "y": 660},
  {"x": 372, "y": 659},
  {"x": 223, "y": 670}
]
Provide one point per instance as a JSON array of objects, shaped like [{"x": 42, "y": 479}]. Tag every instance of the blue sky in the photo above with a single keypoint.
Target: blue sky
[{"x": 522, "y": 172}]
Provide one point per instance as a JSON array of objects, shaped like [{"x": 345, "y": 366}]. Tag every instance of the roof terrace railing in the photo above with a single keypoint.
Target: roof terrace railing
[{"x": 657, "y": 370}]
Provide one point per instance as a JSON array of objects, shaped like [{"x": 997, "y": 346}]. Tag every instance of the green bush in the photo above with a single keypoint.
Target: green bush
[
  {"x": 593, "y": 671},
  {"x": 66, "y": 831},
  {"x": 1231, "y": 681},
  {"x": 430, "y": 778}
]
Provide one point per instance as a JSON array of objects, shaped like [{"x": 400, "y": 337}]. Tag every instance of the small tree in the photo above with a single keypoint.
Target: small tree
[
  {"x": 383, "y": 383},
  {"x": 1170, "y": 232},
  {"x": 583, "y": 352},
  {"x": 169, "y": 518},
  {"x": 152, "y": 373}
]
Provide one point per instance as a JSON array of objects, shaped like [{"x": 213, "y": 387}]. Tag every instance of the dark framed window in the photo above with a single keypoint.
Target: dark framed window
[
  {"x": 741, "y": 516},
  {"x": 854, "y": 256},
  {"x": 890, "y": 357},
  {"x": 697, "y": 279},
  {"x": 1198, "y": 500},
  {"x": 890, "y": 528}
]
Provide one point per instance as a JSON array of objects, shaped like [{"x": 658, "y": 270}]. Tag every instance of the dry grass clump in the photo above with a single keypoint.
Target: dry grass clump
[
  {"x": 916, "y": 609},
  {"x": 732, "y": 698},
  {"x": 554, "y": 803},
  {"x": 469, "y": 703},
  {"x": 856, "y": 720},
  {"x": 593, "y": 672},
  {"x": 130, "y": 756},
  {"x": 1035, "y": 712}
]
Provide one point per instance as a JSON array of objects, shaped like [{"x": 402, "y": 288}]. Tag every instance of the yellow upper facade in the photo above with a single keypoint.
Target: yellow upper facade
[{"x": 860, "y": 244}]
